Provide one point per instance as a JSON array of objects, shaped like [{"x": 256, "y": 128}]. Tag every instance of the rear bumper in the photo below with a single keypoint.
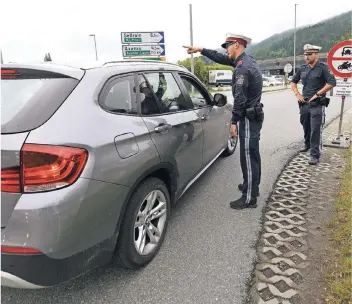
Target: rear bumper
[
  {"x": 66, "y": 221},
  {"x": 40, "y": 271},
  {"x": 10, "y": 280}
]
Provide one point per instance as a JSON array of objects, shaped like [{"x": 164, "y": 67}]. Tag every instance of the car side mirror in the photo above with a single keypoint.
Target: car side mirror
[
  {"x": 220, "y": 100},
  {"x": 174, "y": 108}
]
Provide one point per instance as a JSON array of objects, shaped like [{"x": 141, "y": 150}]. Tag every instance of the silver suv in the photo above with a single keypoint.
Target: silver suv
[{"x": 92, "y": 160}]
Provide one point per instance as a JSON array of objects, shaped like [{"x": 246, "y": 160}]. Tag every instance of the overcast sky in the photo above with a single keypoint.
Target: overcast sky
[{"x": 29, "y": 29}]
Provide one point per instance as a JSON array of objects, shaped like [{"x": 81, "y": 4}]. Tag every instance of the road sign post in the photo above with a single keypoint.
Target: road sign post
[
  {"x": 287, "y": 70},
  {"x": 341, "y": 116},
  {"x": 340, "y": 63}
]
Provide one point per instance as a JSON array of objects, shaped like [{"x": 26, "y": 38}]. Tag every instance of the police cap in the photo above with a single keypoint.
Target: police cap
[
  {"x": 309, "y": 48},
  {"x": 232, "y": 38}
]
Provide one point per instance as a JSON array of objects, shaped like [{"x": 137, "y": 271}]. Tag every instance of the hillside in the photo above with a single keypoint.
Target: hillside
[{"x": 325, "y": 34}]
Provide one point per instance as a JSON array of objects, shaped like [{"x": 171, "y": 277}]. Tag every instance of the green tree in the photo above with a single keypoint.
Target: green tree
[
  {"x": 199, "y": 68},
  {"x": 347, "y": 36}
]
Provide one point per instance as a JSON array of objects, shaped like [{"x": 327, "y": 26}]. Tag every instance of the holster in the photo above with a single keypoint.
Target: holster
[
  {"x": 325, "y": 101},
  {"x": 255, "y": 113}
]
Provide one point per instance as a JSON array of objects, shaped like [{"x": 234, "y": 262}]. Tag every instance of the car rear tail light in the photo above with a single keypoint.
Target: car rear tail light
[
  {"x": 47, "y": 168},
  {"x": 9, "y": 74},
  {"x": 10, "y": 180},
  {"x": 19, "y": 250},
  {"x": 44, "y": 168}
]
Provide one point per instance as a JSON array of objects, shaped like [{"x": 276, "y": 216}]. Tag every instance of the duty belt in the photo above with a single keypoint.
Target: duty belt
[{"x": 320, "y": 101}]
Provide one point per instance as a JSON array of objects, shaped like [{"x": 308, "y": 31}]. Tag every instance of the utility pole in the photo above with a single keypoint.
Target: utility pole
[
  {"x": 191, "y": 30},
  {"x": 95, "y": 45},
  {"x": 294, "y": 45}
]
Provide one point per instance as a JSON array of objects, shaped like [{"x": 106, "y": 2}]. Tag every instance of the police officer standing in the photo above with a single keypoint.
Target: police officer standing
[
  {"x": 247, "y": 112},
  {"x": 317, "y": 80}
]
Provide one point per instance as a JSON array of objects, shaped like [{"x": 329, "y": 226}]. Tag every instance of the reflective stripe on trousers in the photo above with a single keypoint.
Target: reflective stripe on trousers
[{"x": 248, "y": 161}]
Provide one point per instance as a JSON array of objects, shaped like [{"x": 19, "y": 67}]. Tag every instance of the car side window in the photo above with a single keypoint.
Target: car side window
[
  {"x": 198, "y": 96},
  {"x": 167, "y": 92},
  {"x": 120, "y": 96},
  {"x": 149, "y": 104}
]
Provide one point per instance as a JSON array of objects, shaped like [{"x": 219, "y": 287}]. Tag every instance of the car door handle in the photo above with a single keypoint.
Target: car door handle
[
  {"x": 162, "y": 128},
  {"x": 204, "y": 117}
]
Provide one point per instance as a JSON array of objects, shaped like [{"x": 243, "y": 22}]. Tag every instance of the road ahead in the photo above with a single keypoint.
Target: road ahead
[{"x": 209, "y": 249}]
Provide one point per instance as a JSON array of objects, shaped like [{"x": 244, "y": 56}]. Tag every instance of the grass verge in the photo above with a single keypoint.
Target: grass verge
[{"x": 338, "y": 272}]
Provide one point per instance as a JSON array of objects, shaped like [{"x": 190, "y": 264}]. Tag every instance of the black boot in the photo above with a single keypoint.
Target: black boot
[
  {"x": 240, "y": 187},
  {"x": 313, "y": 161},
  {"x": 241, "y": 203}
]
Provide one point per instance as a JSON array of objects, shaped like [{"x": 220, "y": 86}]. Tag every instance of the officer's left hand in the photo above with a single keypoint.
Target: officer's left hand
[{"x": 315, "y": 96}]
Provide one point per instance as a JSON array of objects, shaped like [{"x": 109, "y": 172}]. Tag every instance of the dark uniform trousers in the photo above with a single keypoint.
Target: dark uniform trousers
[
  {"x": 312, "y": 119},
  {"x": 249, "y": 133}
]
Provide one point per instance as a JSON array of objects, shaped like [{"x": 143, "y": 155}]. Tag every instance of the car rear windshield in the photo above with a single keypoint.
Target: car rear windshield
[{"x": 29, "y": 98}]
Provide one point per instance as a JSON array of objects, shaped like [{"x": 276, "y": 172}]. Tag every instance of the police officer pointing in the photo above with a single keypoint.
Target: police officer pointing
[
  {"x": 317, "y": 80},
  {"x": 247, "y": 112}
]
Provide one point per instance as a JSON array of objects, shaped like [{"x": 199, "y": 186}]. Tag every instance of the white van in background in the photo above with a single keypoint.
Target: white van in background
[{"x": 220, "y": 77}]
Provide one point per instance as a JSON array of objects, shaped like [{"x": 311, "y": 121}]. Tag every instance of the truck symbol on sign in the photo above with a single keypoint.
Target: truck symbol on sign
[{"x": 347, "y": 50}]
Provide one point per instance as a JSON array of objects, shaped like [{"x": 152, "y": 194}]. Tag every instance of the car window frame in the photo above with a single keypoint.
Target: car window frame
[
  {"x": 210, "y": 101},
  {"x": 139, "y": 101},
  {"x": 107, "y": 86},
  {"x": 172, "y": 72}
]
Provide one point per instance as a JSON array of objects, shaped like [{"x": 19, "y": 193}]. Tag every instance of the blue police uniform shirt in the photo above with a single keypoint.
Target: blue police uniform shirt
[
  {"x": 314, "y": 79},
  {"x": 247, "y": 82}
]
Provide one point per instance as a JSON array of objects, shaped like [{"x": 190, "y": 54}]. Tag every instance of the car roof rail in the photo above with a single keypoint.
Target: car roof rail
[{"x": 142, "y": 61}]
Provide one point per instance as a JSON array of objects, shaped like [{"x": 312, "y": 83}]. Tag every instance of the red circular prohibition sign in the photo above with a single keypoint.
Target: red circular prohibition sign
[{"x": 342, "y": 59}]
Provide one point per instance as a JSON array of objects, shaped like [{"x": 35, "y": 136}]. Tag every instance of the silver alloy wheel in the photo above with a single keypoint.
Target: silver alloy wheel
[
  {"x": 231, "y": 143},
  {"x": 150, "y": 222}
]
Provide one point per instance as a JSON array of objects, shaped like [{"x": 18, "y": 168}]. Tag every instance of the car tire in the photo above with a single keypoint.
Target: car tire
[
  {"x": 131, "y": 230},
  {"x": 231, "y": 147}
]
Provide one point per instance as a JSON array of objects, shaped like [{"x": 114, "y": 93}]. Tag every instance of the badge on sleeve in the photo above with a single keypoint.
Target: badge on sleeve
[{"x": 239, "y": 80}]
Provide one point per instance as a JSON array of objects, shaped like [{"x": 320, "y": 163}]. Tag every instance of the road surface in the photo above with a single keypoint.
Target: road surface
[{"x": 209, "y": 250}]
